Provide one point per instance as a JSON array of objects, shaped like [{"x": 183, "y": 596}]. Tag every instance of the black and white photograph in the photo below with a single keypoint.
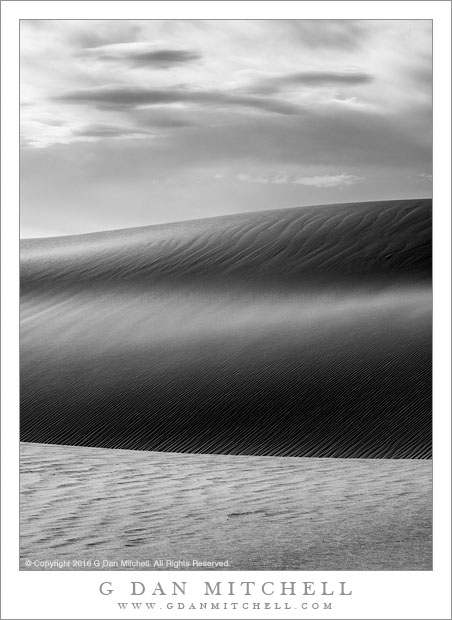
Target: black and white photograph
[
  {"x": 225, "y": 310},
  {"x": 226, "y": 295}
]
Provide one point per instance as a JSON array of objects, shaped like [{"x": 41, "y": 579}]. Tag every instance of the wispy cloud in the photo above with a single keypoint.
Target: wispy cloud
[
  {"x": 319, "y": 181},
  {"x": 313, "y": 78},
  {"x": 328, "y": 180},
  {"x": 142, "y": 54},
  {"x": 108, "y": 131},
  {"x": 124, "y": 97}
]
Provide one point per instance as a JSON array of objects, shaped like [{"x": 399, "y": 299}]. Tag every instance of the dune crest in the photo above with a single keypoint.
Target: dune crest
[{"x": 333, "y": 243}]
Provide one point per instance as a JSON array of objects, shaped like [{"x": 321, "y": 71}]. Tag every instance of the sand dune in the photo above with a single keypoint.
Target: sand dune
[
  {"x": 84, "y": 505},
  {"x": 300, "y": 332},
  {"x": 334, "y": 242}
]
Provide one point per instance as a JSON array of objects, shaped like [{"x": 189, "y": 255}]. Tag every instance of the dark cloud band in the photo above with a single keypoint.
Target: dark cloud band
[
  {"x": 313, "y": 79},
  {"x": 157, "y": 59},
  {"x": 134, "y": 97}
]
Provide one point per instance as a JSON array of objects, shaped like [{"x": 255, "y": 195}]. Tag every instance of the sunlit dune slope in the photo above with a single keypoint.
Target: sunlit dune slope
[{"x": 332, "y": 242}]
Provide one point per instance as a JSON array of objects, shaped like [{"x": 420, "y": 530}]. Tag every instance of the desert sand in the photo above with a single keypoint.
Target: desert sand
[
  {"x": 253, "y": 388},
  {"x": 258, "y": 513}
]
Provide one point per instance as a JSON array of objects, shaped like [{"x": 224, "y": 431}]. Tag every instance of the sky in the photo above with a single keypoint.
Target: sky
[{"x": 132, "y": 123}]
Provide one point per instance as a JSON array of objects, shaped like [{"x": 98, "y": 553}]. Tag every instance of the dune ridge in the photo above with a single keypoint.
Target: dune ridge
[
  {"x": 295, "y": 332},
  {"x": 373, "y": 239}
]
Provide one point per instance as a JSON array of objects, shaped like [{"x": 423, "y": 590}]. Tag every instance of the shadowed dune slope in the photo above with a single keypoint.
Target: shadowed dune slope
[{"x": 301, "y": 332}]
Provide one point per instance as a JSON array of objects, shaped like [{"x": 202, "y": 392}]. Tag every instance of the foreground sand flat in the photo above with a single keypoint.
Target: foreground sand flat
[{"x": 259, "y": 513}]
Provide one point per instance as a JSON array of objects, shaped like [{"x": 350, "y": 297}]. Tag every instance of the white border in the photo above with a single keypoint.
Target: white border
[{"x": 376, "y": 594}]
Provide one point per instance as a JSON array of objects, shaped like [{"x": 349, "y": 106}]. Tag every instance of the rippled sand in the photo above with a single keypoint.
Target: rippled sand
[{"x": 257, "y": 512}]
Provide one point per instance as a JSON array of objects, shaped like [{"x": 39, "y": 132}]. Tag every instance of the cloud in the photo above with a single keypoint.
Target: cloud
[
  {"x": 321, "y": 78},
  {"x": 35, "y": 136},
  {"x": 108, "y": 131},
  {"x": 163, "y": 121},
  {"x": 327, "y": 180},
  {"x": 243, "y": 176},
  {"x": 313, "y": 78},
  {"x": 330, "y": 34},
  {"x": 320, "y": 181},
  {"x": 124, "y": 97},
  {"x": 327, "y": 139},
  {"x": 143, "y": 54}
]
